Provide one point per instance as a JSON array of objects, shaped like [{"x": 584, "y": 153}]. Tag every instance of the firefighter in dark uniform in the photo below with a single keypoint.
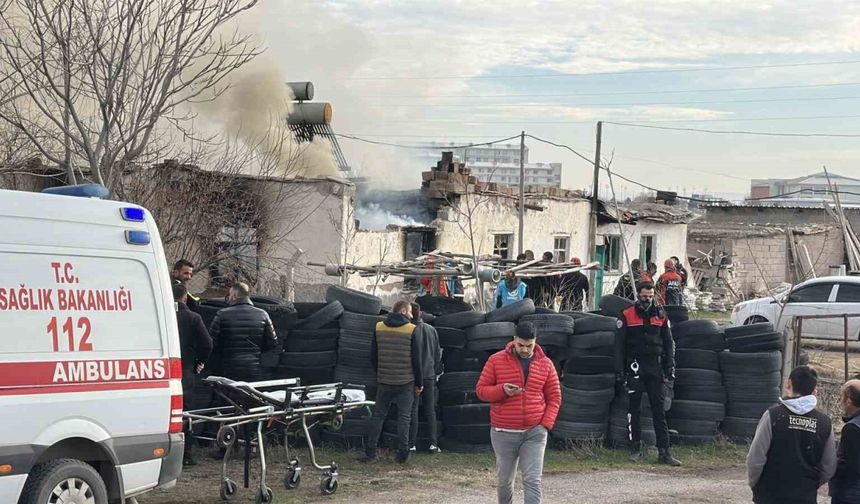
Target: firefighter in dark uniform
[{"x": 646, "y": 361}]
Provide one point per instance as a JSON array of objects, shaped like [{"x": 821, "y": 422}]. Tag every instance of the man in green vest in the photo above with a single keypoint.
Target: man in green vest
[{"x": 397, "y": 360}]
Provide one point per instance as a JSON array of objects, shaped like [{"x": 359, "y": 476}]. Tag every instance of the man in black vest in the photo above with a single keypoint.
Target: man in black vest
[
  {"x": 845, "y": 485},
  {"x": 646, "y": 353},
  {"x": 793, "y": 452},
  {"x": 399, "y": 378}
]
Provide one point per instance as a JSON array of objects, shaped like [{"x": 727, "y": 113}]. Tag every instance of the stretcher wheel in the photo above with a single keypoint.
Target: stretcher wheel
[
  {"x": 292, "y": 479},
  {"x": 264, "y": 497},
  {"x": 228, "y": 490},
  {"x": 328, "y": 485},
  {"x": 337, "y": 422},
  {"x": 226, "y": 436}
]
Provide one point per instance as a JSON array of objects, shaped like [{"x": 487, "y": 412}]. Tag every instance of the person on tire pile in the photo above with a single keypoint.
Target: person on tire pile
[
  {"x": 681, "y": 271},
  {"x": 183, "y": 272},
  {"x": 242, "y": 333},
  {"x": 397, "y": 360},
  {"x": 574, "y": 289},
  {"x": 624, "y": 288},
  {"x": 793, "y": 451},
  {"x": 427, "y": 341},
  {"x": 670, "y": 286},
  {"x": 646, "y": 354},
  {"x": 522, "y": 387},
  {"x": 547, "y": 286},
  {"x": 845, "y": 485},
  {"x": 510, "y": 290},
  {"x": 195, "y": 346}
]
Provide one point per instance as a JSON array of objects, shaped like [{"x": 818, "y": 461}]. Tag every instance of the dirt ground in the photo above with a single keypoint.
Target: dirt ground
[{"x": 599, "y": 476}]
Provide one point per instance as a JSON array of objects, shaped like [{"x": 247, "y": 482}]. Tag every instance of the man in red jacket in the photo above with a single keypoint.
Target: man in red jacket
[{"x": 521, "y": 385}]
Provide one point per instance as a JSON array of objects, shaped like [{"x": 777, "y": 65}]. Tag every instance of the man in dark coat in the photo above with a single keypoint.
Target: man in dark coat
[
  {"x": 427, "y": 341},
  {"x": 183, "y": 272},
  {"x": 242, "y": 333},
  {"x": 845, "y": 485},
  {"x": 195, "y": 346}
]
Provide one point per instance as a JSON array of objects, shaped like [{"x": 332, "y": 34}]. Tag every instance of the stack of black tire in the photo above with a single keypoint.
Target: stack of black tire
[
  {"x": 467, "y": 343},
  {"x": 699, "y": 402},
  {"x": 588, "y": 379},
  {"x": 751, "y": 373},
  {"x": 357, "y": 327},
  {"x": 619, "y": 421},
  {"x": 310, "y": 348}
]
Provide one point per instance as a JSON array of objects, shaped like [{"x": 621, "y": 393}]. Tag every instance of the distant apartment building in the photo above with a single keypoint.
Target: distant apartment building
[
  {"x": 809, "y": 189},
  {"x": 498, "y": 163}
]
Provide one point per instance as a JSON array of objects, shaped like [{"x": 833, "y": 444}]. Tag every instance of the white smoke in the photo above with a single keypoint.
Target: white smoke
[{"x": 373, "y": 217}]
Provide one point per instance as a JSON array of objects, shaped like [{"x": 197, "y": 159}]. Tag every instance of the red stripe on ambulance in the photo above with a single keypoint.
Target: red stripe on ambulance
[{"x": 82, "y": 375}]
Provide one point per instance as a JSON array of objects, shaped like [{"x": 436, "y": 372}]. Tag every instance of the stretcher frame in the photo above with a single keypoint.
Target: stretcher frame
[{"x": 249, "y": 405}]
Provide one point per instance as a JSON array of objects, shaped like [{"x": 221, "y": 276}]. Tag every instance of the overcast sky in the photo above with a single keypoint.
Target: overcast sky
[{"x": 408, "y": 72}]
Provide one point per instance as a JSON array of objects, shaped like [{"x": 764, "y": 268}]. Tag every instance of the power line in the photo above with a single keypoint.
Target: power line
[
  {"x": 616, "y": 93},
  {"x": 618, "y": 72},
  {"x": 645, "y": 186},
  {"x": 424, "y": 147},
  {"x": 535, "y": 123},
  {"x": 738, "y": 132},
  {"x": 626, "y": 104}
]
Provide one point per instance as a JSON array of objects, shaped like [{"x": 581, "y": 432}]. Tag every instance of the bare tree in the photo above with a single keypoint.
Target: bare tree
[
  {"x": 235, "y": 218},
  {"x": 92, "y": 81},
  {"x": 466, "y": 206}
]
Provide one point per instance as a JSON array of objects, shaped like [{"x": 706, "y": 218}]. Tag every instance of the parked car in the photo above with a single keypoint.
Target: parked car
[{"x": 835, "y": 295}]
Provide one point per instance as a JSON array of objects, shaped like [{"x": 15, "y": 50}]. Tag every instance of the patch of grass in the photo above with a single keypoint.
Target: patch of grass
[{"x": 722, "y": 318}]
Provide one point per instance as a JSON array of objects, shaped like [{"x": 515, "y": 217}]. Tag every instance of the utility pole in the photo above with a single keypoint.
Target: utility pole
[
  {"x": 522, "y": 190},
  {"x": 592, "y": 235}
]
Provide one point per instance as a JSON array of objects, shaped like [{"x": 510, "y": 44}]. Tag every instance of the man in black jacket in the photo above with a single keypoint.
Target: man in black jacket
[
  {"x": 195, "y": 346},
  {"x": 793, "y": 452},
  {"x": 397, "y": 361},
  {"x": 242, "y": 333},
  {"x": 845, "y": 485},
  {"x": 646, "y": 360},
  {"x": 183, "y": 272},
  {"x": 427, "y": 341}
]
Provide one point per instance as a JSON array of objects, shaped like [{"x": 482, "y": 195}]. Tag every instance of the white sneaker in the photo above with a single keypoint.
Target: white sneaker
[
  {"x": 413, "y": 449},
  {"x": 434, "y": 449}
]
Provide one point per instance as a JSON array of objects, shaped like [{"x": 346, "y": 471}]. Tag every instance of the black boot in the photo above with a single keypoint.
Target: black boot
[
  {"x": 635, "y": 452},
  {"x": 666, "y": 457}
]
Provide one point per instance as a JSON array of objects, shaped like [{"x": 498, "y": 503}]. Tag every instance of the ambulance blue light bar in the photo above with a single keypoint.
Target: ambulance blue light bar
[
  {"x": 132, "y": 214},
  {"x": 80, "y": 190},
  {"x": 134, "y": 237}
]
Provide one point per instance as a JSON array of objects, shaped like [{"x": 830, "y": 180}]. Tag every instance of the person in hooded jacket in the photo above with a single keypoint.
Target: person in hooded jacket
[
  {"x": 510, "y": 290},
  {"x": 396, "y": 358},
  {"x": 427, "y": 341},
  {"x": 845, "y": 485},
  {"x": 670, "y": 286},
  {"x": 646, "y": 361},
  {"x": 793, "y": 451}
]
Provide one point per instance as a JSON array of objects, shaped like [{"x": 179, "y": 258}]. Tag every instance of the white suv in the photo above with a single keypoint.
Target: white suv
[{"x": 834, "y": 295}]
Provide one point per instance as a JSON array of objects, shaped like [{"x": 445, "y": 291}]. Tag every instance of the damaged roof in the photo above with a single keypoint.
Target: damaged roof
[
  {"x": 632, "y": 212},
  {"x": 704, "y": 230}
]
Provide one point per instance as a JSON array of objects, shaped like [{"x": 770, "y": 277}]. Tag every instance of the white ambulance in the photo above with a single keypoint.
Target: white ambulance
[{"x": 90, "y": 371}]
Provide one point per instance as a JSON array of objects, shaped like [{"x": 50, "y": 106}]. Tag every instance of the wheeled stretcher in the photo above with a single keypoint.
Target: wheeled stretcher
[{"x": 260, "y": 406}]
